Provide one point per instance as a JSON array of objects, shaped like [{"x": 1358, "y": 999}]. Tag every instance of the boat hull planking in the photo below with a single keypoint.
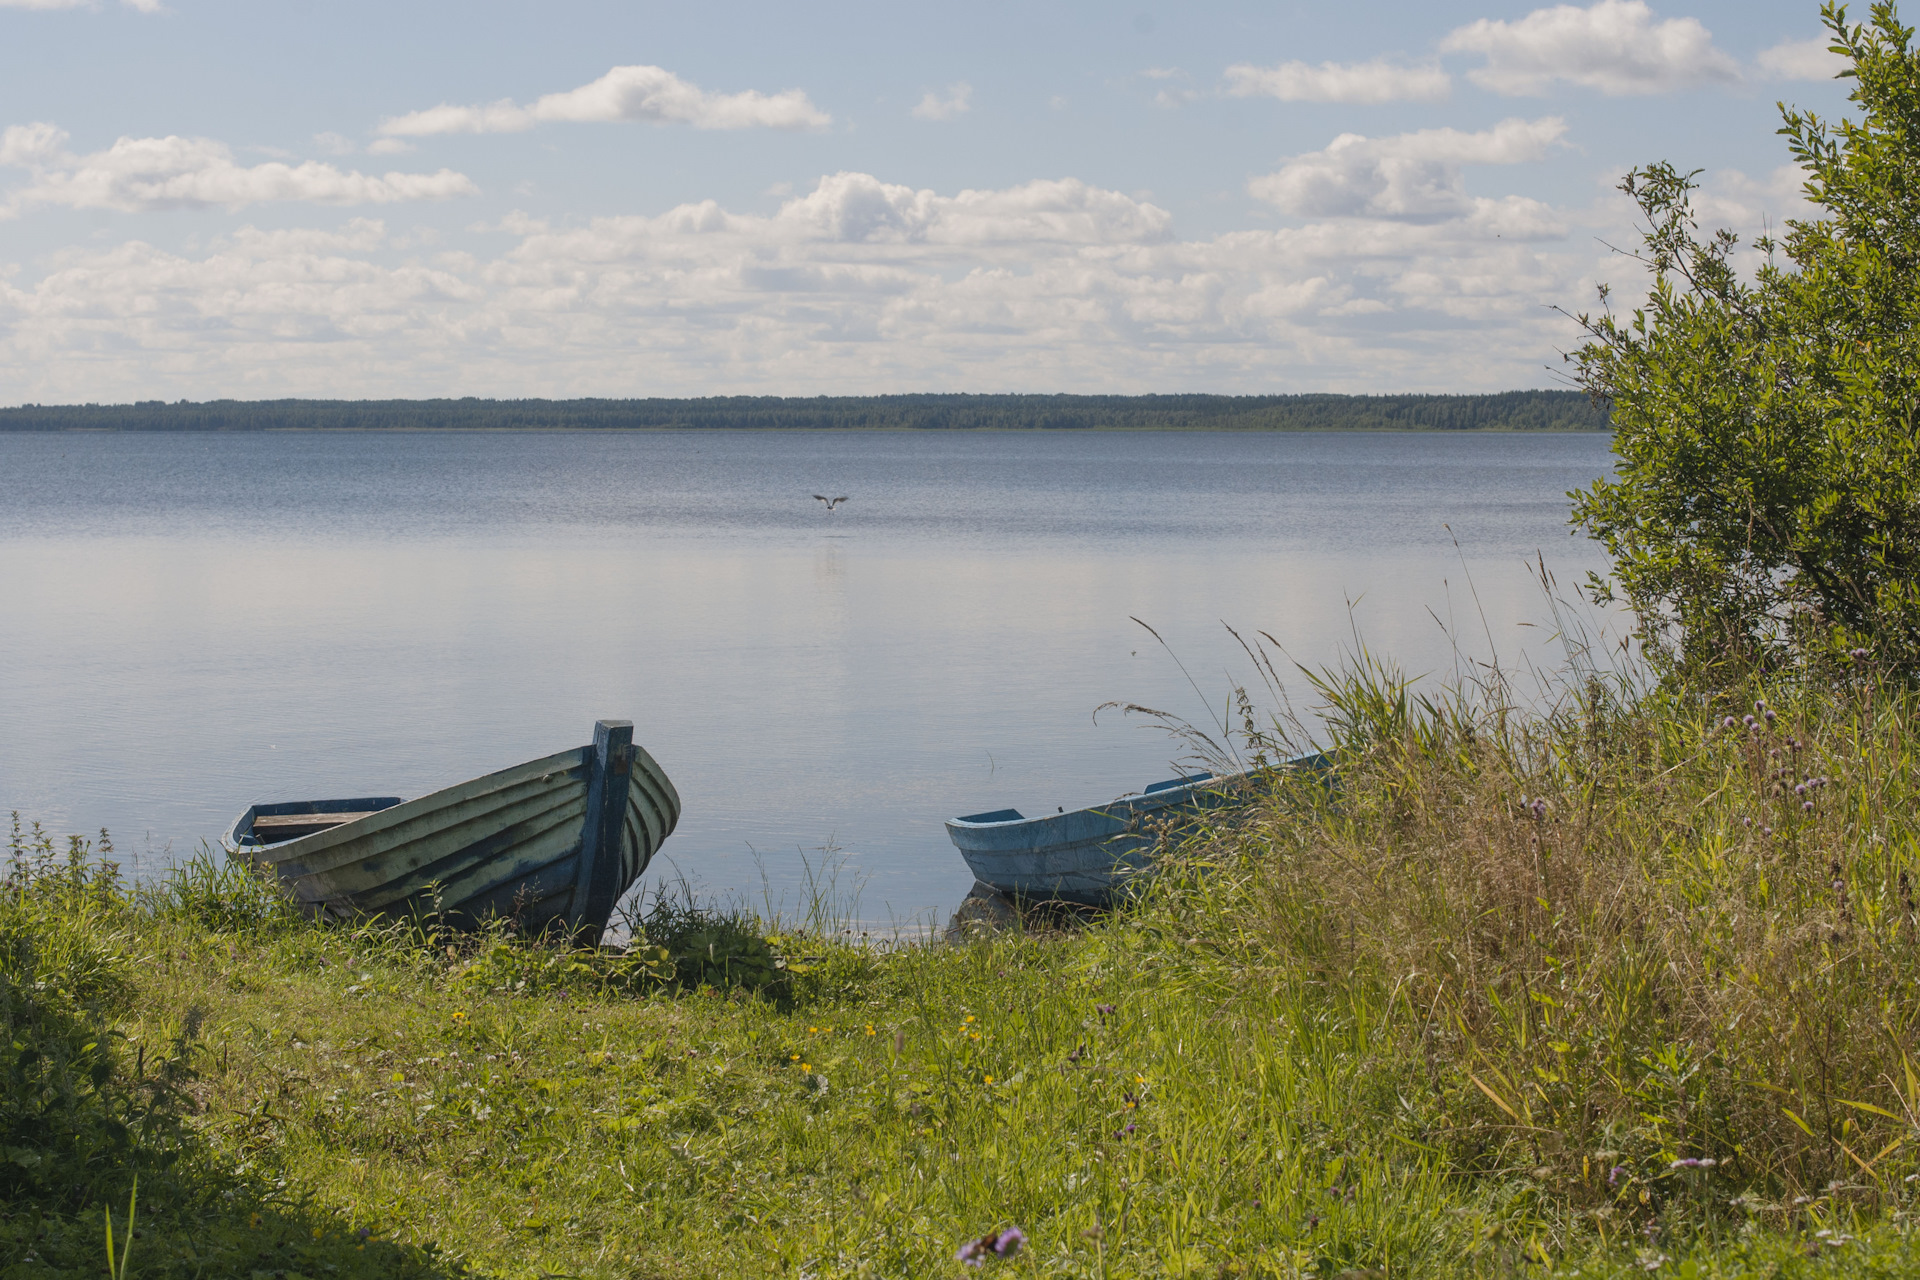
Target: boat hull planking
[
  {"x": 1087, "y": 857},
  {"x": 552, "y": 843}
]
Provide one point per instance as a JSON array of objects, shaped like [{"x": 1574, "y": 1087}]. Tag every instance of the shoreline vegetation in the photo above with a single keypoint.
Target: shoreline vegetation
[
  {"x": 1603, "y": 981},
  {"x": 1610, "y": 977},
  {"x": 1503, "y": 411}
]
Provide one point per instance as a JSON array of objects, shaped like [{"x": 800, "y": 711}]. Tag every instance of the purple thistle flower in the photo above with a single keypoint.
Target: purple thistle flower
[
  {"x": 1770, "y": 715},
  {"x": 1800, "y": 790},
  {"x": 1729, "y": 722},
  {"x": 1009, "y": 1242},
  {"x": 1858, "y": 655},
  {"x": 1808, "y": 806},
  {"x": 975, "y": 1252},
  {"x": 1747, "y": 720},
  {"x": 1616, "y": 1173},
  {"x": 1104, "y": 1010}
]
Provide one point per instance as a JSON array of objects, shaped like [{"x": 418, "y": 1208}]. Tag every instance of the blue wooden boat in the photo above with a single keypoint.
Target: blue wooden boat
[
  {"x": 553, "y": 843},
  {"x": 1086, "y": 857}
]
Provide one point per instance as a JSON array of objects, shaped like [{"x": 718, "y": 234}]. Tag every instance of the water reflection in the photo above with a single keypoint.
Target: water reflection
[{"x": 390, "y": 614}]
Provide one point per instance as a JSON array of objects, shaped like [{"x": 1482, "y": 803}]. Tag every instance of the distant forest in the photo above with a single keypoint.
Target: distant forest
[{"x": 1505, "y": 411}]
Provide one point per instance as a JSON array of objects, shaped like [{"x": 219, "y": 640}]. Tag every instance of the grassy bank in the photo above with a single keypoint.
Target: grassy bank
[{"x": 1593, "y": 988}]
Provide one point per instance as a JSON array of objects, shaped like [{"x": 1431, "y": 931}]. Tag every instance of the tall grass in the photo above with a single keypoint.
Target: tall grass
[{"x": 1653, "y": 953}]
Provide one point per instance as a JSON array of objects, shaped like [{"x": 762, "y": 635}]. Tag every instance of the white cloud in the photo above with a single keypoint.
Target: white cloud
[
  {"x": 1415, "y": 176},
  {"x": 855, "y": 285},
  {"x": 1802, "y": 60},
  {"x": 956, "y": 103},
  {"x": 1614, "y": 46},
  {"x": 857, "y": 208},
  {"x": 625, "y": 93},
  {"x": 31, "y": 145},
  {"x": 335, "y": 144},
  {"x": 389, "y": 147},
  {"x": 142, "y": 174},
  {"x": 1375, "y": 81}
]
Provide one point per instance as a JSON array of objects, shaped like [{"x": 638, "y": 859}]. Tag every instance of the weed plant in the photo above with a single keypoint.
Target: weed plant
[{"x": 1583, "y": 987}]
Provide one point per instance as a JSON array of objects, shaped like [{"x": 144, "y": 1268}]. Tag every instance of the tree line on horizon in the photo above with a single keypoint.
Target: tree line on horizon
[{"x": 1505, "y": 411}]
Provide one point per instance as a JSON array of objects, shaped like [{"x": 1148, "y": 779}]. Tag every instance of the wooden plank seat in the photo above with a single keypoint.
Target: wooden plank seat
[{"x": 291, "y": 826}]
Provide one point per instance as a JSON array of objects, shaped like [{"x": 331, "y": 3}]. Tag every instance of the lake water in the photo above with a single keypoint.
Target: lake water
[{"x": 190, "y": 623}]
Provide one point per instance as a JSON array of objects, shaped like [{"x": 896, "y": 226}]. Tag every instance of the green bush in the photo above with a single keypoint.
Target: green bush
[
  {"x": 220, "y": 894},
  {"x": 1766, "y": 505},
  {"x": 75, "y": 1122},
  {"x": 723, "y": 950}
]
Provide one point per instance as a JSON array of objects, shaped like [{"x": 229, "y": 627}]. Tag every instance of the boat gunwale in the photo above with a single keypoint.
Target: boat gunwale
[{"x": 1127, "y": 806}]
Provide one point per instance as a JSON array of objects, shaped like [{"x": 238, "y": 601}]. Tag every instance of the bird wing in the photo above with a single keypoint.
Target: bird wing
[
  {"x": 822, "y": 497},
  {"x": 839, "y": 499}
]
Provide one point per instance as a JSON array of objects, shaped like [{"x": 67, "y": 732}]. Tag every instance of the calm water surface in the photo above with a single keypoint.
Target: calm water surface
[{"x": 190, "y": 623}]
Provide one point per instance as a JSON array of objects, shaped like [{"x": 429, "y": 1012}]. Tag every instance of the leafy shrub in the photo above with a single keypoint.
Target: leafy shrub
[
  {"x": 220, "y": 894},
  {"x": 74, "y": 1122},
  {"x": 1766, "y": 504},
  {"x": 718, "y": 949}
]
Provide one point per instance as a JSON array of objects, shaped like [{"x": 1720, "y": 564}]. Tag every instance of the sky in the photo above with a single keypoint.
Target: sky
[{"x": 260, "y": 198}]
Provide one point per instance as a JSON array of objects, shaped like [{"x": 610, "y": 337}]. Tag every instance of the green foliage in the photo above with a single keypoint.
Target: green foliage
[
  {"x": 1506, "y": 411},
  {"x": 673, "y": 945},
  {"x": 509, "y": 965},
  {"x": 220, "y": 894},
  {"x": 73, "y": 1120},
  {"x": 1767, "y": 501},
  {"x": 723, "y": 950},
  {"x": 239, "y": 1238}
]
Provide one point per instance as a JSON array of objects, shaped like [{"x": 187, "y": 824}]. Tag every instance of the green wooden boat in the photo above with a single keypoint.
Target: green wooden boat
[{"x": 552, "y": 844}]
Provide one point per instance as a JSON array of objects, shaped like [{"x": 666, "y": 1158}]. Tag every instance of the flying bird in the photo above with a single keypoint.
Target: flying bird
[{"x": 831, "y": 502}]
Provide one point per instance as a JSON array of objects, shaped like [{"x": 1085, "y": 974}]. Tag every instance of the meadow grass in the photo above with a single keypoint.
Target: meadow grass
[{"x": 1574, "y": 987}]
